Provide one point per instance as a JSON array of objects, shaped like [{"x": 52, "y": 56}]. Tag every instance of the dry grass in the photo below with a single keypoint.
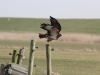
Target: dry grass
[
  {"x": 68, "y": 37},
  {"x": 17, "y": 36},
  {"x": 81, "y": 38},
  {"x": 55, "y": 73}
]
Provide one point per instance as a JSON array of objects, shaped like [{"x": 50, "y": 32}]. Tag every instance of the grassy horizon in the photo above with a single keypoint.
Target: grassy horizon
[{"x": 88, "y": 26}]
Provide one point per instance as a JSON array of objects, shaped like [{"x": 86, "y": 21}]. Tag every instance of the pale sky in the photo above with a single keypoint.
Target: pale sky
[{"x": 46, "y": 8}]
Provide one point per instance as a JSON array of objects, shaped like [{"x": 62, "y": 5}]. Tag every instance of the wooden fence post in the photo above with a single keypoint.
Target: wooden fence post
[
  {"x": 31, "y": 57},
  {"x": 48, "y": 57},
  {"x": 20, "y": 56},
  {"x": 14, "y": 56}
]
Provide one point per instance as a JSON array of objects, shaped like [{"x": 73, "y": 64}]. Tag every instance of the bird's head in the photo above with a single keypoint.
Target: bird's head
[{"x": 59, "y": 35}]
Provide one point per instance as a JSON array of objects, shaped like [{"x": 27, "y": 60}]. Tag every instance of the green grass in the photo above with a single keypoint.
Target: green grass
[
  {"x": 81, "y": 26},
  {"x": 67, "y": 58},
  {"x": 89, "y": 26}
]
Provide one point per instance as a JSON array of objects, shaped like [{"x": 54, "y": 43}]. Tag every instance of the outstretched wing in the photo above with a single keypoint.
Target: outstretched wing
[
  {"x": 55, "y": 23},
  {"x": 45, "y": 26}
]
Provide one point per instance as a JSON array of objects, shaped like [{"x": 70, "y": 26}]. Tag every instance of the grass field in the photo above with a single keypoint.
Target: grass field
[
  {"x": 68, "y": 57},
  {"x": 89, "y": 26}
]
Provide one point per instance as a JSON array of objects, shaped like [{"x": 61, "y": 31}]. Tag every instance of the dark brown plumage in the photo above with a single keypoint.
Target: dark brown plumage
[
  {"x": 53, "y": 30},
  {"x": 55, "y": 23}
]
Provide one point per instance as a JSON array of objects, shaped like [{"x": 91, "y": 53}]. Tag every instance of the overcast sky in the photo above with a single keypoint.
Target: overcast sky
[{"x": 55, "y": 8}]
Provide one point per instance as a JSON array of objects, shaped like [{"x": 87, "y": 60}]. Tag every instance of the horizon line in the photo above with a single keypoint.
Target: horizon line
[{"x": 48, "y": 18}]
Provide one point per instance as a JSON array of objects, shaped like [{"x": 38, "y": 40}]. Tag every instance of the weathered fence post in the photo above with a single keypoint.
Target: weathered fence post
[
  {"x": 48, "y": 57},
  {"x": 14, "y": 56},
  {"x": 20, "y": 56},
  {"x": 31, "y": 57},
  {"x": 1, "y": 69}
]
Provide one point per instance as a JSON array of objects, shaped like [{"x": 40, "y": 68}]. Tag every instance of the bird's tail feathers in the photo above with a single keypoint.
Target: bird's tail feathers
[{"x": 42, "y": 35}]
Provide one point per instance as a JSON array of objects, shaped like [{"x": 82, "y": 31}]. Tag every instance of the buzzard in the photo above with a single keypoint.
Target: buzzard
[{"x": 53, "y": 30}]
